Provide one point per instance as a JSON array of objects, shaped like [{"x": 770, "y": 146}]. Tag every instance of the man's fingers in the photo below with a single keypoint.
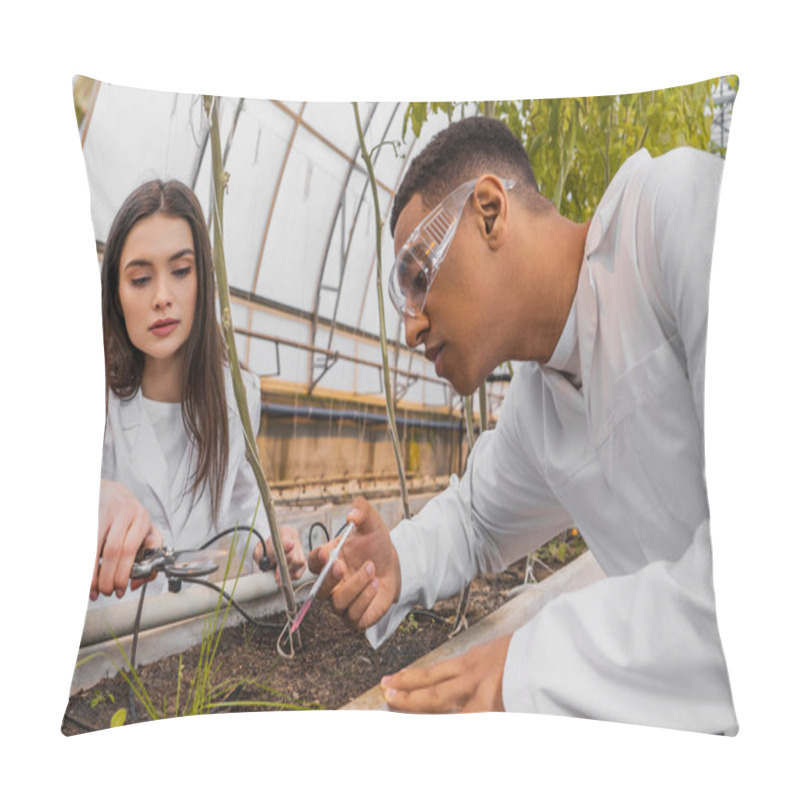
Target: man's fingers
[
  {"x": 365, "y": 517},
  {"x": 357, "y": 610},
  {"x": 439, "y": 688},
  {"x": 318, "y": 558},
  {"x": 358, "y": 511},
  {"x": 419, "y": 677},
  {"x": 349, "y": 588},
  {"x": 470, "y": 682},
  {"x": 439, "y": 697}
]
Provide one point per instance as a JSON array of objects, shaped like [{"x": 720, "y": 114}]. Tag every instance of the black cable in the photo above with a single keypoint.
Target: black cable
[
  {"x": 311, "y": 531},
  {"x": 134, "y": 642},
  {"x": 425, "y": 613},
  {"x": 229, "y": 598},
  {"x": 209, "y": 585},
  {"x": 263, "y": 564},
  {"x": 79, "y": 723}
]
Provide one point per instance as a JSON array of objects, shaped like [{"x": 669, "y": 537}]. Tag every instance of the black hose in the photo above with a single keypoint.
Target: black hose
[
  {"x": 229, "y": 598},
  {"x": 311, "y": 531},
  {"x": 134, "y": 642},
  {"x": 263, "y": 564}
]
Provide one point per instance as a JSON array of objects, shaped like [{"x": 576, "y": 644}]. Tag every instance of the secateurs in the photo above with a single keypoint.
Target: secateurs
[{"x": 174, "y": 564}]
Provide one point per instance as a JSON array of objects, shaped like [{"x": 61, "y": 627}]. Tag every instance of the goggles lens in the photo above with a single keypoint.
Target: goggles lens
[{"x": 419, "y": 259}]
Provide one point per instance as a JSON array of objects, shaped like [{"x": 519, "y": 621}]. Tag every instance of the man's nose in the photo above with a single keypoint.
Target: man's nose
[{"x": 415, "y": 329}]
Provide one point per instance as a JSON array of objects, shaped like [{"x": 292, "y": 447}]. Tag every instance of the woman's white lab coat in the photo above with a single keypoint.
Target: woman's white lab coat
[{"x": 132, "y": 456}]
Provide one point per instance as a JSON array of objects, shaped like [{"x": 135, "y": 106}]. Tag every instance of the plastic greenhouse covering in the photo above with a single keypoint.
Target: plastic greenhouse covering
[{"x": 299, "y": 224}]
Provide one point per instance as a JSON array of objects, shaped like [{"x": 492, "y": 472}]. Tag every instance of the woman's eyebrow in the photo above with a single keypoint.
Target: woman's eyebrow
[
  {"x": 138, "y": 262},
  {"x": 143, "y": 262},
  {"x": 187, "y": 251}
]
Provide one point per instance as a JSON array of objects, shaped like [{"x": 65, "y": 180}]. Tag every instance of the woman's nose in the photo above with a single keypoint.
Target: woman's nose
[{"x": 162, "y": 297}]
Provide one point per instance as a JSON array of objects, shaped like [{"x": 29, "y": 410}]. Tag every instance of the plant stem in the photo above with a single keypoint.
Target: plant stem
[
  {"x": 469, "y": 421},
  {"x": 230, "y": 342},
  {"x": 484, "y": 407},
  {"x": 387, "y": 386}
]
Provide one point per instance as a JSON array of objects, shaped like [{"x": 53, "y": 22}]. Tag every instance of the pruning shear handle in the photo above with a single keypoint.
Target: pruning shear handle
[{"x": 170, "y": 562}]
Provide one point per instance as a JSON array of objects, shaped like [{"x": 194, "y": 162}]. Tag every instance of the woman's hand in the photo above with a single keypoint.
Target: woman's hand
[
  {"x": 295, "y": 557},
  {"x": 123, "y": 526}
]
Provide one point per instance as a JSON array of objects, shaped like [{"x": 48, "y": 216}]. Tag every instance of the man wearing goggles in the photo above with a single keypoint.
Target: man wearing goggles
[{"x": 601, "y": 429}]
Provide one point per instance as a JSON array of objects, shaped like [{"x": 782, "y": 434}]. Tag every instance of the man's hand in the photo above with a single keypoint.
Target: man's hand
[
  {"x": 123, "y": 526},
  {"x": 295, "y": 557},
  {"x": 365, "y": 580},
  {"x": 471, "y": 682}
]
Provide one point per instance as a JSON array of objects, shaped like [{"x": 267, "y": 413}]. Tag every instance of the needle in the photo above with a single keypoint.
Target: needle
[{"x": 318, "y": 582}]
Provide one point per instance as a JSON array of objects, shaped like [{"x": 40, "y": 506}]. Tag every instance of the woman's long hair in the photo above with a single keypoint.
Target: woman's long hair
[{"x": 203, "y": 404}]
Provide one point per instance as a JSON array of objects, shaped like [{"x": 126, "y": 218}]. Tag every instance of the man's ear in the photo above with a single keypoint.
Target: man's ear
[{"x": 491, "y": 202}]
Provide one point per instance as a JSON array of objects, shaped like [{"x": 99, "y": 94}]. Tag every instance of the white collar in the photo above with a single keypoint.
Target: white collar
[{"x": 565, "y": 356}]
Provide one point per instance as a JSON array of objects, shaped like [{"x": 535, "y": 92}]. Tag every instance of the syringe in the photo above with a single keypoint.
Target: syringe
[{"x": 318, "y": 582}]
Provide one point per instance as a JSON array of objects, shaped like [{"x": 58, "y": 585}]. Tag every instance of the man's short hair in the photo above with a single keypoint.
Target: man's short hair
[{"x": 463, "y": 151}]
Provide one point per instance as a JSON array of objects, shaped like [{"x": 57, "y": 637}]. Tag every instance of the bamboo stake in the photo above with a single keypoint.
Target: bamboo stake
[
  {"x": 220, "y": 181},
  {"x": 469, "y": 421},
  {"x": 484, "y": 407},
  {"x": 387, "y": 385}
]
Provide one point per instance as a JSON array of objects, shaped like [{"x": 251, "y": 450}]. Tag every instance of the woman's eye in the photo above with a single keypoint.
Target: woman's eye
[
  {"x": 182, "y": 272},
  {"x": 139, "y": 282}
]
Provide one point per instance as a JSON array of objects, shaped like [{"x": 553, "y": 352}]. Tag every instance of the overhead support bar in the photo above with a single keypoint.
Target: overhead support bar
[
  {"x": 336, "y": 355},
  {"x": 314, "y": 132}
]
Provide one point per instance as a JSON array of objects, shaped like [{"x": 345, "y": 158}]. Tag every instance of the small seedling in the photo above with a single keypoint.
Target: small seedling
[
  {"x": 100, "y": 697},
  {"x": 409, "y": 624}
]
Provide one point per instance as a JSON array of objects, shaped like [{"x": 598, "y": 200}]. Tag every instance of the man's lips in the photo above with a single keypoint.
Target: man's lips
[
  {"x": 163, "y": 327},
  {"x": 432, "y": 354}
]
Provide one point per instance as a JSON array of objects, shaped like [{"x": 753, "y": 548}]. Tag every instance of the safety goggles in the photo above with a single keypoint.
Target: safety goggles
[{"x": 422, "y": 254}]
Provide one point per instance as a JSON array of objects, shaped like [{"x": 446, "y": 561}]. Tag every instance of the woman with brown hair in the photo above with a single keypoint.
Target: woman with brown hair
[{"x": 173, "y": 435}]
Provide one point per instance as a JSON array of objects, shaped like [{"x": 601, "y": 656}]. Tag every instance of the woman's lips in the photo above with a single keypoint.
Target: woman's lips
[{"x": 163, "y": 327}]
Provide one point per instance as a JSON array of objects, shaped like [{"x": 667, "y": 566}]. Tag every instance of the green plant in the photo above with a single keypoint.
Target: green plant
[
  {"x": 387, "y": 385},
  {"x": 562, "y": 549},
  {"x": 220, "y": 181},
  {"x": 118, "y": 718},
  {"x": 576, "y": 145},
  {"x": 99, "y": 697},
  {"x": 206, "y": 693},
  {"x": 409, "y": 624}
]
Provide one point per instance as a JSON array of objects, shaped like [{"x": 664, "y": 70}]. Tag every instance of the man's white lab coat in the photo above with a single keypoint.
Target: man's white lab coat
[{"x": 607, "y": 437}]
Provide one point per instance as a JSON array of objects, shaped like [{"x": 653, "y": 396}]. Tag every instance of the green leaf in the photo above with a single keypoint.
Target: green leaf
[
  {"x": 577, "y": 145},
  {"x": 118, "y": 720}
]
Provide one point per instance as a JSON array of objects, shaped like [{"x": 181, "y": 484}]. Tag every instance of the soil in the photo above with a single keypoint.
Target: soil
[{"x": 334, "y": 665}]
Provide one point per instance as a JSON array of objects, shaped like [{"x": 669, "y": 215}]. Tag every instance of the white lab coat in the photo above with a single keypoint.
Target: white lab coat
[
  {"x": 132, "y": 456},
  {"x": 621, "y": 458}
]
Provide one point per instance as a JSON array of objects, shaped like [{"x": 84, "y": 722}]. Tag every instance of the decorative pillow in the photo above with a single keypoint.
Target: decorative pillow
[{"x": 259, "y": 374}]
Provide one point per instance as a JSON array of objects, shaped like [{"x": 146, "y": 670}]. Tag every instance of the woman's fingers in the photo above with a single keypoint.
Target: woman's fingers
[{"x": 123, "y": 527}]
